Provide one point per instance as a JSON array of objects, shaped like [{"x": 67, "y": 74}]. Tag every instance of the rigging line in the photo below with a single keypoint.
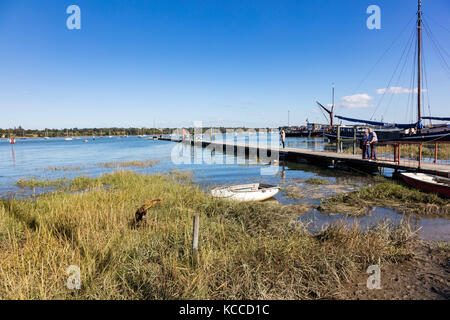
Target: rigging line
[
  {"x": 422, "y": 93},
  {"x": 393, "y": 75},
  {"x": 382, "y": 56},
  {"x": 431, "y": 35},
  {"x": 400, "y": 74},
  {"x": 444, "y": 64},
  {"x": 323, "y": 113},
  {"x": 426, "y": 82},
  {"x": 411, "y": 86},
  {"x": 439, "y": 54},
  {"x": 437, "y": 23}
]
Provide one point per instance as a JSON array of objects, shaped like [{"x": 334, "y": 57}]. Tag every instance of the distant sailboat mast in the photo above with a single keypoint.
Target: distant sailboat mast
[{"x": 331, "y": 110}]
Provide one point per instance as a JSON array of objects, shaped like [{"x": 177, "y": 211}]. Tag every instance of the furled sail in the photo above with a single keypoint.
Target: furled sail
[
  {"x": 382, "y": 124},
  {"x": 436, "y": 118}
]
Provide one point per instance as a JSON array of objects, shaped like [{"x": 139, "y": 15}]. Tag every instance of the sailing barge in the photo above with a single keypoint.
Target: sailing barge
[{"x": 394, "y": 132}]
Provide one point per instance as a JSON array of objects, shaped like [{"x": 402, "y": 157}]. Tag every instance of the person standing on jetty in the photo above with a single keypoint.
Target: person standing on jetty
[
  {"x": 365, "y": 145},
  {"x": 373, "y": 140},
  {"x": 283, "y": 138}
]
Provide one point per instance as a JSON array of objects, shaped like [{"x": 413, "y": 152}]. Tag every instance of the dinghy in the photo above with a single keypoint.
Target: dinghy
[
  {"x": 428, "y": 182},
  {"x": 247, "y": 192}
]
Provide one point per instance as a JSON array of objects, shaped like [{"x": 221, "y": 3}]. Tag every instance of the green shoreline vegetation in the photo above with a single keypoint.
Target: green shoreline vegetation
[
  {"x": 246, "y": 251},
  {"x": 20, "y": 132},
  {"x": 126, "y": 164},
  {"x": 387, "y": 193}
]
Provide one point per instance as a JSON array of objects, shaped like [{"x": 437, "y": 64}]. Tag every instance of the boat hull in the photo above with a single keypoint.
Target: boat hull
[
  {"x": 245, "y": 193},
  {"x": 395, "y": 136},
  {"x": 427, "y": 183}
]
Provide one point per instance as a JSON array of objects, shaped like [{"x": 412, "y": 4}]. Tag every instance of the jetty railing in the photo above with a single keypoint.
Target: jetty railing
[{"x": 414, "y": 153}]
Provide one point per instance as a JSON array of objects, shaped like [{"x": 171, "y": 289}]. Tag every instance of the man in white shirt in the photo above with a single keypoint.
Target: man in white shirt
[{"x": 373, "y": 140}]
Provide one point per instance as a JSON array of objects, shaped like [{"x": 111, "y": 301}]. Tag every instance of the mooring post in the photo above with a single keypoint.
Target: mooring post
[
  {"x": 420, "y": 155},
  {"x": 338, "y": 137},
  {"x": 354, "y": 140},
  {"x": 195, "y": 233},
  {"x": 435, "y": 152}
]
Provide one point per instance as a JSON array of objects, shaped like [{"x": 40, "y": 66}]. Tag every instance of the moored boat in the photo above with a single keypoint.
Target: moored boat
[
  {"x": 246, "y": 192},
  {"x": 428, "y": 182}
]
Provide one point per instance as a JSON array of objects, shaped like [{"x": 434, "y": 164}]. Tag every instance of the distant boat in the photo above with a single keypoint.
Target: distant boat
[
  {"x": 67, "y": 134},
  {"x": 428, "y": 182},
  {"x": 247, "y": 192}
]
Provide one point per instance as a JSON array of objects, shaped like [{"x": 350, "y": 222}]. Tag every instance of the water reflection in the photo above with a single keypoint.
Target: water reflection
[
  {"x": 431, "y": 229},
  {"x": 13, "y": 156}
]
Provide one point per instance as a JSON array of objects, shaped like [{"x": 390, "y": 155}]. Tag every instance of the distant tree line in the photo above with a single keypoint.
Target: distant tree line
[
  {"x": 85, "y": 132},
  {"x": 80, "y": 132}
]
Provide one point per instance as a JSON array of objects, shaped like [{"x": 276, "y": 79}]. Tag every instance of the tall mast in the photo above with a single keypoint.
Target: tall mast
[{"x": 419, "y": 60}]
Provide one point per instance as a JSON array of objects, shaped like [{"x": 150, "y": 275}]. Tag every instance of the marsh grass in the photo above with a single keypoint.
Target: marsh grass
[
  {"x": 293, "y": 192},
  {"x": 389, "y": 193},
  {"x": 317, "y": 181},
  {"x": 64, "y": 168},
  {"x": 37, "y": 183},
  {"x": 130, "y": 164},
  {"x": 247, "y": 250}
]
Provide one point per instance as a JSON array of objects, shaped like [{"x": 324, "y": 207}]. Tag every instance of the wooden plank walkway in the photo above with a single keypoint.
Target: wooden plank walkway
[{"x": 323, "y": 157}]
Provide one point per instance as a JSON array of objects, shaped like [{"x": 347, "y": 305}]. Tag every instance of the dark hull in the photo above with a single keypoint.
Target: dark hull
[
  {"x": 396, "y": 136},
  {"x": 303, "y": 134}
]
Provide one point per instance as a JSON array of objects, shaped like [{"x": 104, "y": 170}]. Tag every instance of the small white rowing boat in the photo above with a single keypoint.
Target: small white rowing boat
[{"x": 246, "y": 192}]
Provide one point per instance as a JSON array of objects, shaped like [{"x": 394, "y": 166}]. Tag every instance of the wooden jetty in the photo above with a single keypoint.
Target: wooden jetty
[{"x": 323, "y": 158}]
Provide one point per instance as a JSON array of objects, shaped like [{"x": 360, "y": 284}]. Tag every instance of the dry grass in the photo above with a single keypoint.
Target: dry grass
[
  {"x": 247, "y": 250},
  {"x": 317, "y": 181}
]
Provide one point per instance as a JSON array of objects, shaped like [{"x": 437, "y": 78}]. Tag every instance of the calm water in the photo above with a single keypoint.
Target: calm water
[{"x": 39, "y": 157}]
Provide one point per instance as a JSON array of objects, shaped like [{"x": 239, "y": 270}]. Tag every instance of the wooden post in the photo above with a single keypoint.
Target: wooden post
[
  {"x": 435, "y": 152},
  {"x": 338, "y": 137},
  {"x": 395, "y": 152},
  {"x": 420, "y": 154},
  {"x": 195, "y": 232},
  {"x": 354, "y": 140}
]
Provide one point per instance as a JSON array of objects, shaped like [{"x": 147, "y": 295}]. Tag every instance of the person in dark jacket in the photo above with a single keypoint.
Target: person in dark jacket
[{"x": 365, "y": 145}]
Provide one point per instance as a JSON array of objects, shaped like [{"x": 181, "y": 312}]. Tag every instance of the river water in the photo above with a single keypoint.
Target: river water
[{"x": 57, "y": 158}]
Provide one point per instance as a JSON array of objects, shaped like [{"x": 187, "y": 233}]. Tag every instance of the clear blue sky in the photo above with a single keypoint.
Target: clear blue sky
[{"x": 222, "y": 62}]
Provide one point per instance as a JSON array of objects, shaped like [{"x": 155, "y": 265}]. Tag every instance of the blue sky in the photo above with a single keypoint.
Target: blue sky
[{"x": 225, "y": 63}]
